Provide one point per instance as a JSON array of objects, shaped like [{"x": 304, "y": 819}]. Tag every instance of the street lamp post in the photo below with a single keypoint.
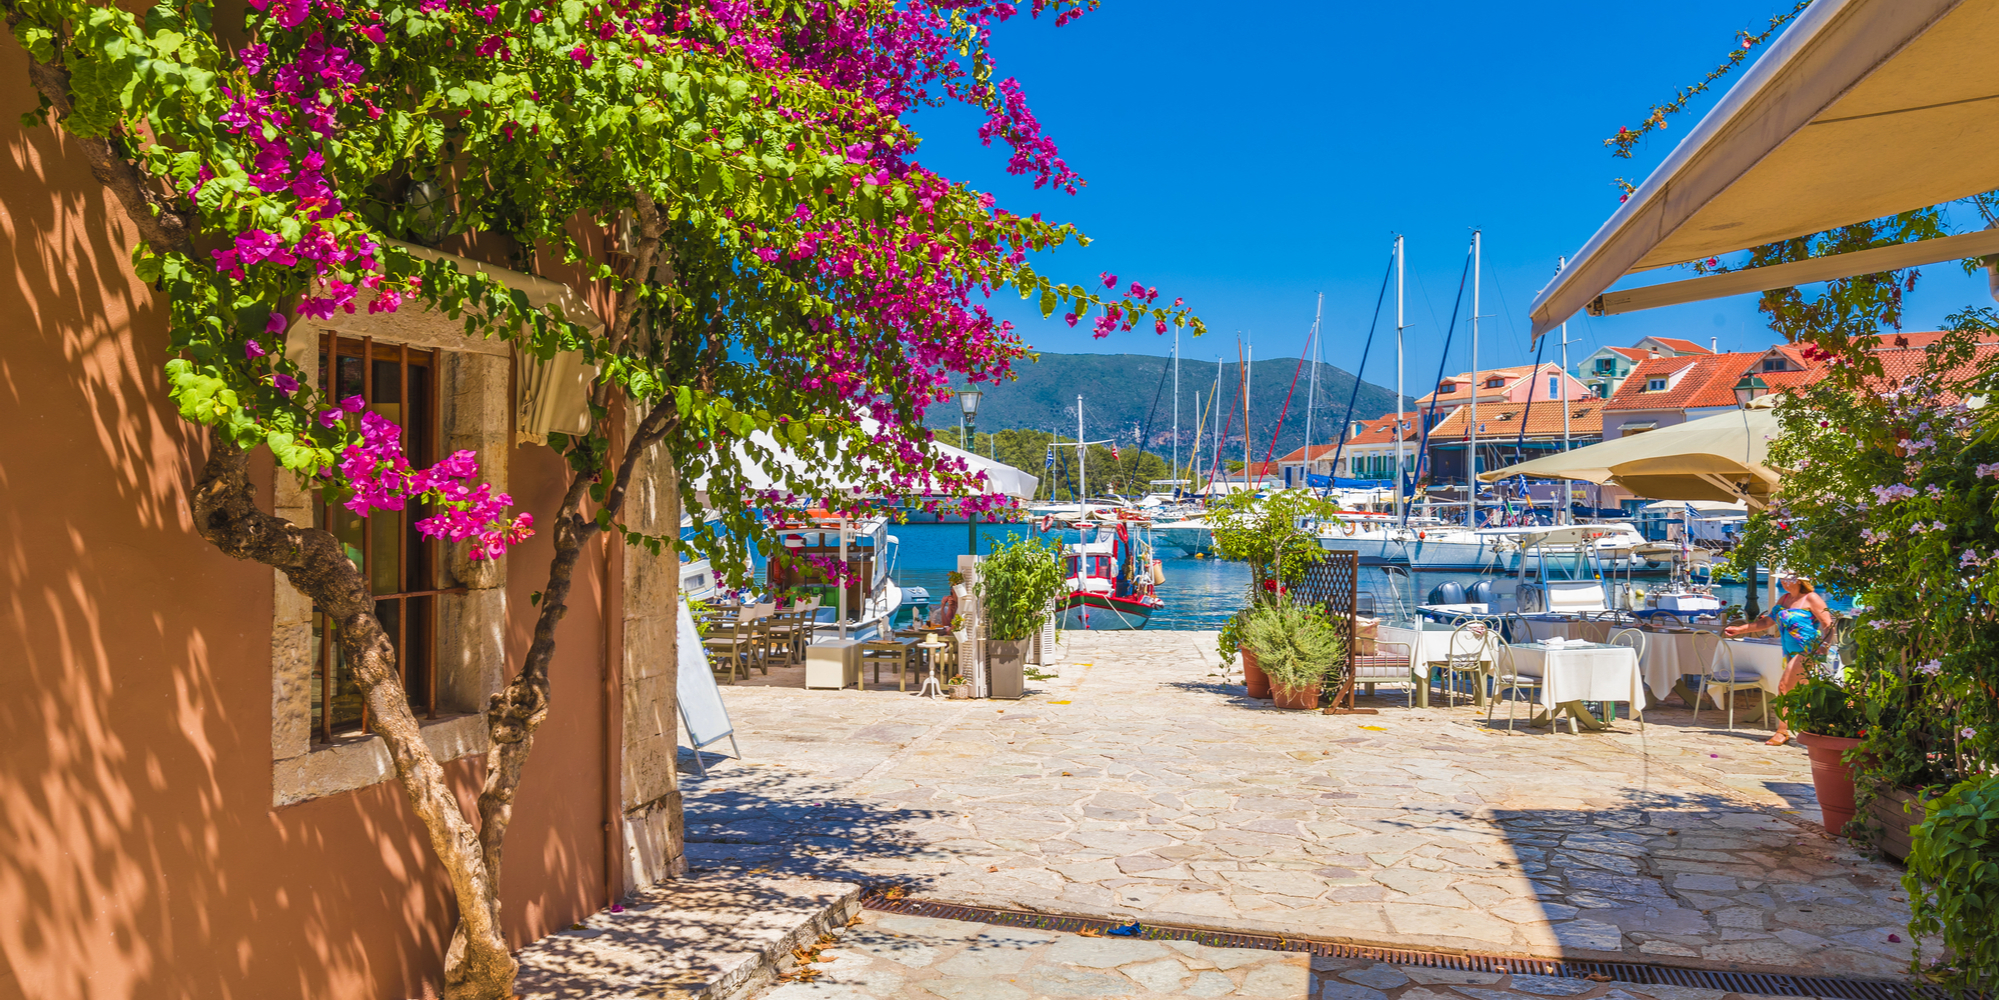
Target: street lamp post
[
  {"x": 968, "y": 410},
  {"x": 1750, "y": 388}
]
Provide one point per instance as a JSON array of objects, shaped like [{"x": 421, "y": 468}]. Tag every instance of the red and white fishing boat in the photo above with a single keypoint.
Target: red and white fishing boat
[{"x": 1112, "y": 574}]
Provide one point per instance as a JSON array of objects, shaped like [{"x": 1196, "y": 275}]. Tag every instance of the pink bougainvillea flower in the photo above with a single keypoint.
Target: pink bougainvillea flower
[
  {"x": 373, "y": 33},
  {"x": 354, "y": 404},
  {"x": 277, "y": 323},
  {"x": 582, "y": 56},
  {"x": 285, "y": 383},
  {"x": 253, "y": 350},
  {"x": 327, "y": 418},
  {"x": 1110, "y": 280}
]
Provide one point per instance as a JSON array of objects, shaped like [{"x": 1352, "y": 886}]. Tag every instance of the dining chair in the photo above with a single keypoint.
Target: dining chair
[
  {"x": 1507, "y": 677},
  {"x": 1727, "y": 679},
  {"x": 732, "y": 643},
  {"x": 1470, "y": 650},
  {"x": 894, "y": 652}
]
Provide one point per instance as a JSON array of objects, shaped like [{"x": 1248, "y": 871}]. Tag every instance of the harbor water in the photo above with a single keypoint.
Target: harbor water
[{"x": 1199, "y": 593}]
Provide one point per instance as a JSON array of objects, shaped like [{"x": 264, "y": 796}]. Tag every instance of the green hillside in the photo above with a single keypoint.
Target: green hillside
[{"x": 1119, "y": 389}]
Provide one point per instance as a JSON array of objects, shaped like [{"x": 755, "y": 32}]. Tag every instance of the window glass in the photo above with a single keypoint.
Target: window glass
[{"x": 399, "y": 563}]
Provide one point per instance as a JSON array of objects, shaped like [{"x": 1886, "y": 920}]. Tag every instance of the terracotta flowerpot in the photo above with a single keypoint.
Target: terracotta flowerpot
[
  {"x": 1254, "y": 678},
  {"x": 1833, "y": 780},
  {"x": 1303, "y": 698}
]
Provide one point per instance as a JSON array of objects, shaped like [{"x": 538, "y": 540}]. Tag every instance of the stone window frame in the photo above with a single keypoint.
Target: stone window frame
[{"x": 476, "y": 403}]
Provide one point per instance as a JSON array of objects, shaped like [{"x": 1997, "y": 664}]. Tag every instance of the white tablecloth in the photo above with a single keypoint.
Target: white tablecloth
[
  {"x": 1764, "y": 656},
  {"x": 1582, "y": 673},
  {"x": 1669, "y": 657},
  {"x": 1425, "y": 646}
]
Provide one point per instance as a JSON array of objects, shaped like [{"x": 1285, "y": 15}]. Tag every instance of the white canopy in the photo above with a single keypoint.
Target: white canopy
[
  {"x": 1860, "y": 109},
  {"x": 798, "y": 471}
]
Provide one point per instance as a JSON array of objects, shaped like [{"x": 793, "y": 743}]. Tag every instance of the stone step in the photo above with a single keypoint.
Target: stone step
[{"x": 694, "y": 939}]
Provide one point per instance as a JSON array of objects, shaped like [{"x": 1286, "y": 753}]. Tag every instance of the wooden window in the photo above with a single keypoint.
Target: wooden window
[
  {"x": 401, "y": 384},
  {"x": 1656, "y": 385}
]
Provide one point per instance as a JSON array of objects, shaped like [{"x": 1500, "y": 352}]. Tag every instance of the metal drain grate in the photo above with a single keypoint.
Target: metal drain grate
[{"x": 1765, "y": 984}]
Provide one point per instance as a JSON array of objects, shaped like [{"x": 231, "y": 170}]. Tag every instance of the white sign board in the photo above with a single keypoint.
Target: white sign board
[{"x": 702, "y": 712}]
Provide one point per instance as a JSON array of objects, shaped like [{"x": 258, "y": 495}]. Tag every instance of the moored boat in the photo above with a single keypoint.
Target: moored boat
[{"x": 1111, "y": 575}]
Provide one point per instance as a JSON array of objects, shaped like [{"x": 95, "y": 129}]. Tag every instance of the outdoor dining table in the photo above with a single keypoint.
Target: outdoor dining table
[
  {"x": 1427, "y": 645},
  {"x": 1579, "y": 672},
  {"x": 1671, "y": 656}
]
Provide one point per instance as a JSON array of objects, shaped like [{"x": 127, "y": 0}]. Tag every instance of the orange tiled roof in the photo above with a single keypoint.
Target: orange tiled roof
[
  {"x": 1463, "y": 381},
  {"x": 1703, "y": 380},
  {"x": 1683, "y": 345},
  {"x": 1545, "y": 419},
  {"x": 1632, "y": 353}
]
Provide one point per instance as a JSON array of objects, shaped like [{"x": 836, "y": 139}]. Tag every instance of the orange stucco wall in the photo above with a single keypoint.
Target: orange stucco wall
[{"x": 139, "y": 853}]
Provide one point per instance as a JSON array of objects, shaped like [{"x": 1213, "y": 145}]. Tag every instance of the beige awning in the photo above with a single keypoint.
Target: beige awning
[
  {"x": 1715, "y": 458},
  {"x": 1860, "y": 109}
]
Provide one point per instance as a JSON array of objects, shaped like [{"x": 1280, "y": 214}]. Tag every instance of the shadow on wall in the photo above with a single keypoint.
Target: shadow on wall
[{"x": 139, "y": 855}]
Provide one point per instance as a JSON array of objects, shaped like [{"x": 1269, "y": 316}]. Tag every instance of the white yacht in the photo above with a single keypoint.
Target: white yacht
[{"x": 1380, "y": 541}]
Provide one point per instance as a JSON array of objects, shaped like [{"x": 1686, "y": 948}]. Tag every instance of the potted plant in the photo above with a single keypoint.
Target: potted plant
[
  {"x": 1829, "y": 725},
  {"x": 1230, "y": 645},
  {"x": 1017, "y": 581},
  {"x": 1295, "y": 647},
  {"x": 957, "y": 688}
]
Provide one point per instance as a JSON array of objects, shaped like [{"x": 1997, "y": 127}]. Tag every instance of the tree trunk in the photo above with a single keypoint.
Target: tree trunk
[{"x": 479, "y": 964}]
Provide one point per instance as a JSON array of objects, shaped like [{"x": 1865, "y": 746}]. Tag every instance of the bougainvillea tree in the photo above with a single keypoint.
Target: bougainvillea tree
[{"x": 738, "y": 175}]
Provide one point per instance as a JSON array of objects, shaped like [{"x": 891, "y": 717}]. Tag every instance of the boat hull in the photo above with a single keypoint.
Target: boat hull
[{"x": 1102, "y": 613}]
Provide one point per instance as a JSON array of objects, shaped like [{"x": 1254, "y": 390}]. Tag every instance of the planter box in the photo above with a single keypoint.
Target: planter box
[
  {"x": 1006, "y": 665},
  {"x": 1886, "y": 812}
]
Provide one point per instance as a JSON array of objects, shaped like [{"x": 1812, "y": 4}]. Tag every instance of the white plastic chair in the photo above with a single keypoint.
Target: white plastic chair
[{"x": 1728, "y": 679}]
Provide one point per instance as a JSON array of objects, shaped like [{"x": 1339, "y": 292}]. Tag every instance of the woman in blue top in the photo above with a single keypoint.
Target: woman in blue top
[{"x": 1804, "y": 628}]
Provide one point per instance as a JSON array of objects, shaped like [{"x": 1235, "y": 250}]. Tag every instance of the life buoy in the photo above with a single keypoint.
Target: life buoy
[{"x": 1347, "y": 528}]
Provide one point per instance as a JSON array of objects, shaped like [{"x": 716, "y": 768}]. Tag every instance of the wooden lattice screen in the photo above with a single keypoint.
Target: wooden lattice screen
[{"x": 1330, "y": 584}]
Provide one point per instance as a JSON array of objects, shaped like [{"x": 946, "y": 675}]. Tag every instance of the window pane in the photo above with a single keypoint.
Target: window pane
[
  {"x": 347, "y": 700},
  {"x": 418, "y": 652}
]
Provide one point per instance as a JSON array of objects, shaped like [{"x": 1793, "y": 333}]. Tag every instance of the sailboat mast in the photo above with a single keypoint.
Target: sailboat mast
[
  {"x": 1082, "y": 471},
  {"x": 1562, "y": 509},
  {"x": 1472, "y": 418},
  {"x": 1400, "y": 507},
  {"x": 1248, "y": 357},
  {"x": 1177, "y": 407},
  {"x": 1312, "y": 381}
]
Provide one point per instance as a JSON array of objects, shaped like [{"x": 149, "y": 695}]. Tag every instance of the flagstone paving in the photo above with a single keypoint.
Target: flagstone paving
[
  {"x": 1141, "y": 783},
  {"x": 896, "y": 957}
]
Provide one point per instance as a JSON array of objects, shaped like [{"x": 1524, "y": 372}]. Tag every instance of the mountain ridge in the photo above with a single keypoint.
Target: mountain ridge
[{"x": 1119, "y": 392}]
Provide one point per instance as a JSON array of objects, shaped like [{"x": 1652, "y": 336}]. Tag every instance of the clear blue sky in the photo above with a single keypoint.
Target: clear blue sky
[{"x": 1249, "y": 156}]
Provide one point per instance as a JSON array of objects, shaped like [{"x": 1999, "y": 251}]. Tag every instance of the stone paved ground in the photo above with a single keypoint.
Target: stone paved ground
[
  {"x": 907, "y": 958},
  {"x": 1139, "y": 783},
  {"x": 892, "y": 957}
]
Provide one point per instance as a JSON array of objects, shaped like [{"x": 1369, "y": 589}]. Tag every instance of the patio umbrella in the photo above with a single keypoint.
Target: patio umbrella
[{"x": 1715, "y": 458}]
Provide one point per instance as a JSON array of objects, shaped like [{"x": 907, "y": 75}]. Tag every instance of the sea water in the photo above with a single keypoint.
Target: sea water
[{"x": 1199, "y": 593}]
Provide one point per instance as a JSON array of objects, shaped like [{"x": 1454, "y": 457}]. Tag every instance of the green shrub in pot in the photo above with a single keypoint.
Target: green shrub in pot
[
  {"x": 1016, "y": 582},
  {"x": 1295, "y": 645}
]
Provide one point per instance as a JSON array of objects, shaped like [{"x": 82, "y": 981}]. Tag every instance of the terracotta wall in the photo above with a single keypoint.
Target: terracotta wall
[{"x": 139, "y": 854}]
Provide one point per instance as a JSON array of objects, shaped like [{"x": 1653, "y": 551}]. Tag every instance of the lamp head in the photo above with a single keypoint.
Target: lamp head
[
  {"x": 1749, "y": 388},
  {"x": 968, "y": 401}
]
